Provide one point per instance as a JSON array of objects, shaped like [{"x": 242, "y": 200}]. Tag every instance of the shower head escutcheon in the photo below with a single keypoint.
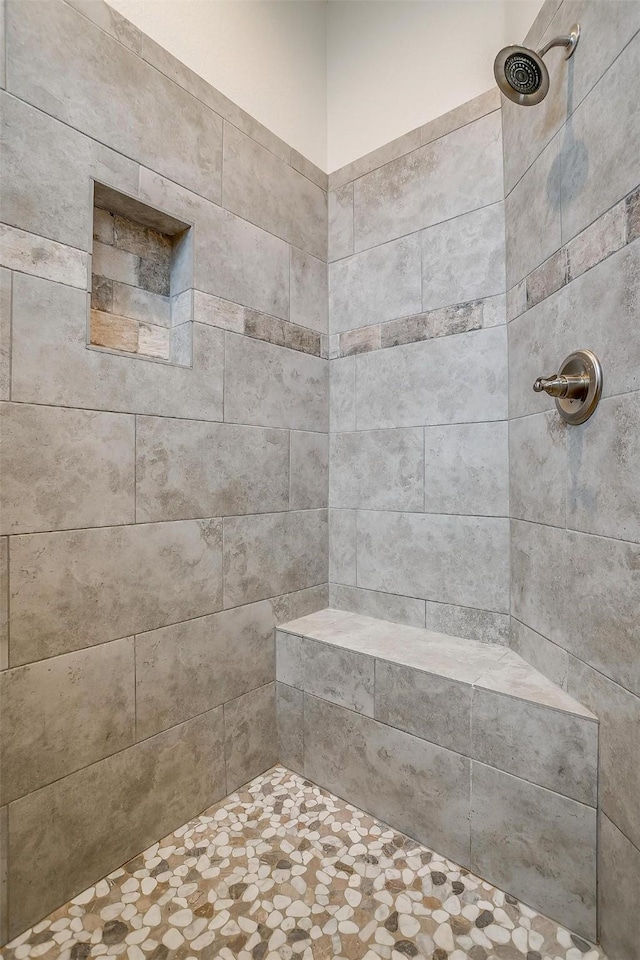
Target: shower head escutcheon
[{"x": 521, "y": 73}]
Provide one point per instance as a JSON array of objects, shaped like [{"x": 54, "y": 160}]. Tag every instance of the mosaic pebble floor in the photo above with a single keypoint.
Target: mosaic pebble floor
[{"x": 283, "y": 870}]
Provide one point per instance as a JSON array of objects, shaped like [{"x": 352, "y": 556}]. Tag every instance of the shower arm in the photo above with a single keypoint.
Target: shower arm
[{"x": 570, "y": 42}]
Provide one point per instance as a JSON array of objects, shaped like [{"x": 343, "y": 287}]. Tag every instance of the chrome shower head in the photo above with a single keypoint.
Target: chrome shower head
[{"x": 521, "y": 73}]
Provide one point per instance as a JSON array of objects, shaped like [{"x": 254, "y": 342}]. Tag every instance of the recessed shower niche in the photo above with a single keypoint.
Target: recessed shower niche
[{"x": 141, "y": 280}]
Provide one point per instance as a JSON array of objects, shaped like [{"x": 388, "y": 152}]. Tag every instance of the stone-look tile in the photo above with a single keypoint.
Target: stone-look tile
[
  {"x": 327, "y": 671},
  {"x": 375, "y": 158},
  {"x": 538, "y": 468},
  {"x": 303, "y": 602},
  {"x": 360, "y": 341},
  {"x": 188, "y": 668},
  {"x": 597, "y": 166},
  {"x": 433, "y": 708},
  {"x": 80, "y": 708},
  {"x": 412, "y": 385},
  {"x": 545, "y": 656},
  {"x": 421, "y": 788},
  {"x": 466, "y": 469},
  {"x": 606, "y": 500},
  {"x": 250, "y": 735},
  {"x": 272, "y": 386},
  {"x": 274, "y": 553},
  {"x": 376, "y": 285},
  {"x": 342, "y": 546},
  {"x": 154, "y": 341},
  {"x": 444, "y": 322},
  {"x": 481, "y": 625},
  {"x": 151, "y": 119},
  {"x": 463, "y": 258},
  {"x": 103, "y": 225},
  {"x": 189, "y": 468},
  {"x": 80, "y": 588},
  {"x": 603, "y": 585},
  {"x": 618, "y": 885},
  {"x": 547, "y": 278},
  {"x": 5, "y": 333},
  {"x": 378, "y": 470},
  {"x": 516, "y": 300},
  {"x": 619, "y": 714},
  {"x": 4, "y": 603},
  {"x": 424, "y": 187},
  {"x": 342, "y": 394},
  {"x": 44, "y": 258},
  {"x": 602, "y": 238},
  {"x": 260, "y": 326},
  {"x": 341, "y": 222},
  {"x": 372, "y": 603},
  {"x": 102, "y": 294},
  {"x": 460, "y": 116},
  {"x": 303, "y": 339},
  {"x": 548, "y": 747},
  {"x": 51, "y": 363},
  {"x": 141, "y": 305},
  {"x": 309, "y": 470},
  {"x": 114, "y": 333},
  {"x": 217, "y": 312},
  {"x": 290, "y": 719},
  {"x": 308, "y": 291},
  {"x": 181, "y": 346},
  {"x": 633, "y": 215},
  {"x": 4, "y": 819},
  {"x": 551, "y": 843},
  {"x": 599, "y": 308},
  {"x": 458, "y": 560},
  {"x": 45, "y": 191},
  {"x": 81, "y": 827},
  {"x": 65, "y": 468},
  {"x": 308, "y": 169},
  {"x": 532, "y": 215},
  {"x": 266, "y": 191}
]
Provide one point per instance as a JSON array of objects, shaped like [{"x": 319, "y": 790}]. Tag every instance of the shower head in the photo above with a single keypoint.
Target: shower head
[{"x": 521, "y": 73}]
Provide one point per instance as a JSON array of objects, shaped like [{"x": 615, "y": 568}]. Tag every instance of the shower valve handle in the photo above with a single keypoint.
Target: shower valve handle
[{"x": 566, "y": 386}]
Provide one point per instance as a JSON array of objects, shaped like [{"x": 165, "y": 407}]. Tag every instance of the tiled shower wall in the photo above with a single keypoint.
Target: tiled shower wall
[
  {"x": 158, "y": 519},
  {"x": 572, "y": 170},
  {"x": 419, "y": 445}
]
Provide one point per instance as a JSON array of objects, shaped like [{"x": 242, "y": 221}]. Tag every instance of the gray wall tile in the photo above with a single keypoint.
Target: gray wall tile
[
  {"x": 274, "y": 386},
  {"x": 459, "y": 560},
  {"x": 326, "y": 671},
  {"x": 538, "y": 468},
  {"x": 342, "y": 390},
  {"x": 378, "y": 284},
  {"x": 372, "y": 603},
  {"x": 309, "y": 470},
  {"x": 308, "y": 291},
  {"x": 481, "y": 625},
  {"x": 79, "y": 588},
  {"x": 542, "y": 654},
  {"x": 341, "y": 222},
  {"x": 188, "y": 668},
  {"x": 39, "y": 257},
  {"x": 552, "y": 846},
  {"x": 290, "y": 719},
  {"x": 467, "y": 469},
  {"x": 188, "y": 468},
  {"x": 84, "y": 826},
  {"x": 375, "y": 158},
  {"x": 65, "y": 468},
  {"x": 250, "y": 735},
  {"x": 419, "y": 787},
  {"x": 619, "y": 881},
  {"x": 5, "y": 333},
  {"x": 342, "y": 546},
  {"x": 64, "y": 713},
  {"x": 378, "y": 469},
  {"x": 274, "y": 553},
  {"x": 464, "y": 258},
  {"x": 303, "y": 602},
  {"x": 4, "y": 603}
]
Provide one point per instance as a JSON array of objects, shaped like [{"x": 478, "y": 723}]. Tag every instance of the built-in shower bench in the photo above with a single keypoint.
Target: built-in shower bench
[{"x": 460, "y": 744}]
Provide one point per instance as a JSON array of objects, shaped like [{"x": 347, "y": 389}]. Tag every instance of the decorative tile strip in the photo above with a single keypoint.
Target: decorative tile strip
[{"x": 609, "y": 233}]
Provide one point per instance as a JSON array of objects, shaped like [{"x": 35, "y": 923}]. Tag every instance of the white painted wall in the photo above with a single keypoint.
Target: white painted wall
[{"x": 337, "y": 79}]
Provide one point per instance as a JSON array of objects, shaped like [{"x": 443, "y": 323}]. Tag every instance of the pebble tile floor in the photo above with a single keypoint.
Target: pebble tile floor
[{"x": 283, "y": 869}]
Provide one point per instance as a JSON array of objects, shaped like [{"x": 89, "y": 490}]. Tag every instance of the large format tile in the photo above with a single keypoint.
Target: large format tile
[
  {"x": 538, "y": 468},
  {"x": 308, "y": 291},
  {"x": 600, "y": 581},
  {"x": 250, "y": 734},
  {"x": 271, "y": 385},
  {"x": 52, "y": 365},
  {"x": 4, "y": 603},
  {"x": 373, "y": 603},
  {"x": 452, "y": 175},
  {"x": 378, "y": 469},
  {"x": 554, "y": 749},
  {"x": 379, "y": 284},
  {"x": 420, "y": 788},
  {"x": 618, "y": 885},
  {"x": 542, "y": 654},
  {"x": 28, "y": 253},
  {"x": 274, "y": 553},
  {"x": 537, "y": 844},
  {"x": 5, "y": 332},
  {"x": 290, "y": 720},
  {"x": 342, "y": 546},
  {"x": 61, "y": 714},
  {"x": 467, "y": 469},
  {"x": 81, "y": 827},
  {"x": 151, "y": 118},
  {"x": 340, "y": 222},
  {"x": 65, "y": 468},
  {"x": 341, "y": 676},
  {"x": 413, "y": 385},
  {"x": 456, "y": 621},
  {"x": 458, "y": 560},
  {"x": 342, "y": 394},
  {"x": 188, "y": 668},
  {"x": 265, "y": 190},
  {"x": 606, "y": 500},
  {"x": 189, "y": 468},
  {"x": 76, "y": 589},
  {"x": 463, "y": 258},
  {"x": 309, "y": 470}
]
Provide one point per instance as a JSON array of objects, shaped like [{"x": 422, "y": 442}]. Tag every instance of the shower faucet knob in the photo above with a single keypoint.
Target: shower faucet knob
[
  {"x": 577, "y": 386},
  {"x": 560, "y": 385}
]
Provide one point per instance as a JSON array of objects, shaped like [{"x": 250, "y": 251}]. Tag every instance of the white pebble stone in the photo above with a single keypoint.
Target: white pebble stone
[
  {"x": 148, "y": 885},
  {"x": 384, "y": 937},
  {"x": 135, "y": 953},
  {"x": 102, "y": 888},
  {"x": 298, "y": 909},
  {"x": 348, "y": 927},
  {"x": 129, "y": 885},
  {"x": 330, "y": 927},
  {"x": 85, "y": 897},
  {"x": 353, "y": 897},
  {"x": 452, "y": 906},
  {"x": 408, "y": 925},
  {"x": 520, "y": 938},
  {"x": 497, "y": 934},
  {"x": 443, "y": 937},
  {"x": 181, "y": 918},
  {"x": 277, "y": 939},
  {"x": 195, "y": 928},
  {"x": 381, "y": 912},
  {"x": 137, "y": 936},
  {"x": 153, "y": 916},
  {"x": 173, "y": 939},
  {"x": 219, "y": 921},
  {"x": 203, "y": 941},
  {"x": 76, "y": 925},
  {"x": 274, "y": 919},
  {"x": 111, "y": 912},
  {"x": 129, "y": 912},
  {"x": 344, "y": 913},
  {"x": 535, "y": 939},
  {"x": 440, "y": 916}
]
